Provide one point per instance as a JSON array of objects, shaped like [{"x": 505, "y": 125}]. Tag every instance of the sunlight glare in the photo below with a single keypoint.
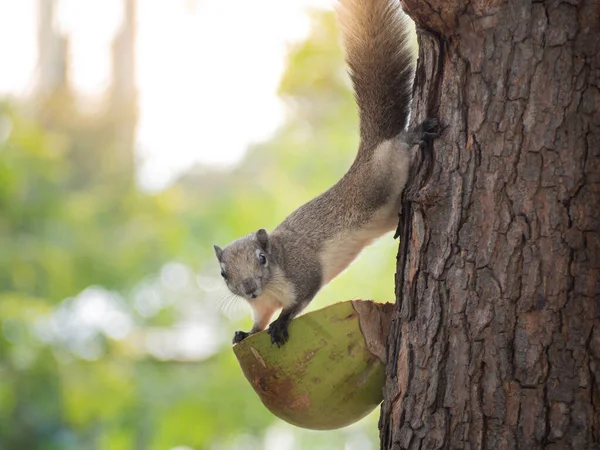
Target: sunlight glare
[{"x": 207, "y": 71}]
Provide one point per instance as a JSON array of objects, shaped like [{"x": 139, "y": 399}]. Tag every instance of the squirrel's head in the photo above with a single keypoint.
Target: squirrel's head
[{"x": 246, "y": 264}]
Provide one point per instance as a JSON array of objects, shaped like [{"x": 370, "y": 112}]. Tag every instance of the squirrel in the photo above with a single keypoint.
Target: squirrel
[{"x": 287, "y": 267}]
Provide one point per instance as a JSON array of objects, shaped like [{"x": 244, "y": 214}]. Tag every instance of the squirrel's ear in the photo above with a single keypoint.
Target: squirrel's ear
[
  {"x": 218, "y": 251},
  {"x": 263, "y": 238}
]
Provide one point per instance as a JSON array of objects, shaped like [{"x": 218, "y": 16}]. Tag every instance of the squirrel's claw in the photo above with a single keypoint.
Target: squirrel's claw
[
  {"x": 239, "y": 336},
  {"x": 428, "y": 131},
  {"x": 430, "y": 125},
  {"x": 279, "y": 333}
]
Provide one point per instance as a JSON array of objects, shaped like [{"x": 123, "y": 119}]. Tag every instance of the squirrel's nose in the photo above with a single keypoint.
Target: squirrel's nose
[{"x": 249, "y": 287}]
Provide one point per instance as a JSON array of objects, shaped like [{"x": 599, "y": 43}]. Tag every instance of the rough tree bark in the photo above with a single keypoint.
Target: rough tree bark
[{"x": 495, "y": 340}]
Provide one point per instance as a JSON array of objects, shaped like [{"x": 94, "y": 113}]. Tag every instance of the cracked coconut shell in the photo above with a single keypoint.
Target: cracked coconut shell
[{"x": 330, "y": 373}]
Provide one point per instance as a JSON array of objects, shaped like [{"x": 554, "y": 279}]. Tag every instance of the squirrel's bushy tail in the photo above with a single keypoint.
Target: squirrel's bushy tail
[{"x": 376, "y": 39}]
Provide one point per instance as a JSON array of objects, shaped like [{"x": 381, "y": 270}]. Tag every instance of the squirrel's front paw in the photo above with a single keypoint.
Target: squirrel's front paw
[
  {"x": 278, "y": 331},
  {"x": 239, "y": 336}
]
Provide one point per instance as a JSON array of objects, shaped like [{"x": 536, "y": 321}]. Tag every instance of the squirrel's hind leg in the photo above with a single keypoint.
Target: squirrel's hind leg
[{"x": 427, "y": 131}]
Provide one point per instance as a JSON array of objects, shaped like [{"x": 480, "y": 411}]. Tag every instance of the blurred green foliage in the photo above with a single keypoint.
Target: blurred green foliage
[{"x": 111, "y": 336}]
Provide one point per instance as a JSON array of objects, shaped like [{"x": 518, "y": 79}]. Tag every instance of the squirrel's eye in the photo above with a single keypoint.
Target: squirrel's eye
[
  {"x": 223, "y": 274},
  {"x": 262, "y": 259}
]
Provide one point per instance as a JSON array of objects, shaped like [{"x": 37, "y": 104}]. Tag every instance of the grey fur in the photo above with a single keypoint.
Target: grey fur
[
  {"x": 319, "y": 239},
  {"x": 240, "y": 264}
]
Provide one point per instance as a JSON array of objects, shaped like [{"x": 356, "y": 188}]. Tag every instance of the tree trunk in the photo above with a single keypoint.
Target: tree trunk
[{"x": 495, "y": 339}]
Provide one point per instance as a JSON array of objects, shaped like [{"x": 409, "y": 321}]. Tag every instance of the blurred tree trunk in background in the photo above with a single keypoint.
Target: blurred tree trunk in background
[{"x": 495, "y": 341}]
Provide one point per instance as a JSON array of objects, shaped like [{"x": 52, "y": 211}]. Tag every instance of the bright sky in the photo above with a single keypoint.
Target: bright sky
[{"x": 207, "y": 70}]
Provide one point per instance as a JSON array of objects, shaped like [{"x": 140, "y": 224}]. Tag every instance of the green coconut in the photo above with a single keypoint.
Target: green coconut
[{"x": 330, "y": 373}]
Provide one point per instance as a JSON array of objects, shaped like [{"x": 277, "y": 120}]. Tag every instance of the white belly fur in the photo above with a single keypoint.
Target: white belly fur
[
  {"x": 340, "y": 251},
  {"x": 391, "y": 161},
  {"x": 279, "y": 292}
]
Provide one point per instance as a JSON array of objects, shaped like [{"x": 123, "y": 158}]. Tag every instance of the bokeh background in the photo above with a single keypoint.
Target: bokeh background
[{"x": 133, "y": 136}]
